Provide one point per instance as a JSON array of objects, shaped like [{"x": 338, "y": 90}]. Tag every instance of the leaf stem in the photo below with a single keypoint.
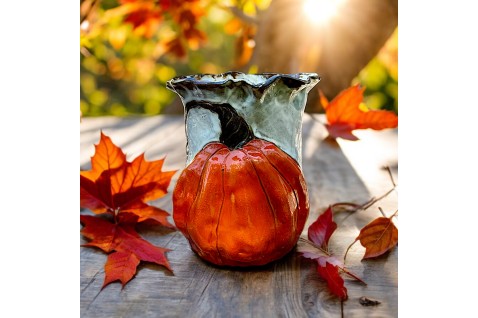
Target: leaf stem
[
  {"x": 391, "y": 176},
  {"x": 345, "y": 256},
  {"x": 346, "y": 271},
  {"x": 115, "y": 214},
  {"x": 366, "y": 205},
  {"x": 341, "y": 308},
  {"x": 394, "y": 214},
  {"x": 314, "y": 245},
  {"x": 350, "y": 204},
  {"x": 375, "y": 200},
  {"x": 381, "y": 211}
]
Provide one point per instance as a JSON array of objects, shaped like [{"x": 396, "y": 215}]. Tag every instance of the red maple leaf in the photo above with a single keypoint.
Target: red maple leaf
[
  {"x": 146, "y": 17},
  {"x": 114, "y": 185},
  {"x": 346, "y": 113},
  {"x": 186, "y": 15},
  {"x": 120, "y": 189},
  {"x": 328, "y": 265},
  {"x": 176, "y": 47},
  {"x": 125, "y": 246},
  {"x": 120, "y": 266},
  {"x": 331, "y": 275},
  {"x": 322, "y": 229}
]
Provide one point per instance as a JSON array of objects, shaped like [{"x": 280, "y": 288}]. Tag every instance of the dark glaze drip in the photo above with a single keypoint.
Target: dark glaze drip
[{"x": 235, "y": 132}]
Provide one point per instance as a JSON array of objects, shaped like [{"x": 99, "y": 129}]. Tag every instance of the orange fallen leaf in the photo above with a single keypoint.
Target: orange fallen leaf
[
  {"x": 346, "y": 113},
  {"x": 127, "y": 246},
  {"x": 114, "y": 185},
  {"x": 120, "y": 266},
  {"x": 378, "y": 237}
]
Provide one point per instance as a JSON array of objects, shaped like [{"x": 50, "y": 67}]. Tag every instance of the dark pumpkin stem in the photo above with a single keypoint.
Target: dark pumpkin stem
[{"x": 235, "y": 132}]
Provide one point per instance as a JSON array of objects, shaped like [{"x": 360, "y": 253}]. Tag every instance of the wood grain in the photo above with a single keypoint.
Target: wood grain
[{"x": 290, "y": 287}]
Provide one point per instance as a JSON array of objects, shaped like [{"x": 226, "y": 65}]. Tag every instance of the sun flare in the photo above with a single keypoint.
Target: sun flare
[{"x": 321, "y": 11}]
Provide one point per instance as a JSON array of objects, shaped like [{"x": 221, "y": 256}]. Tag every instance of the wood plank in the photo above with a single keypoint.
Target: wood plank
[{"x": 290, "y": 287}]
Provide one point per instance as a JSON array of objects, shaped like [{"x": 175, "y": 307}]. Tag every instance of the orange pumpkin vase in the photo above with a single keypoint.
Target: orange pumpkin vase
[{"x": 242, "y": 201}]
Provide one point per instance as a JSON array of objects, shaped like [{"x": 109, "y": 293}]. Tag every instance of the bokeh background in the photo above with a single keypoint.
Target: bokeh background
[{"x": 129, "y": 49}]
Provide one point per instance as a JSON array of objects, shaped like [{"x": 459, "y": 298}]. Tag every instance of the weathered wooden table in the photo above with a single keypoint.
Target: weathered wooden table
[{"x": 334, "y": 171}]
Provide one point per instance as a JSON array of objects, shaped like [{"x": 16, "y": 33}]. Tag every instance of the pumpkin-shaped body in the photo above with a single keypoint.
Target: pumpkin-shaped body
[{"x": 241, "y": 207}]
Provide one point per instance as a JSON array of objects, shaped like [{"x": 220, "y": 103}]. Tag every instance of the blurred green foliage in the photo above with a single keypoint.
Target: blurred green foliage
[
  {"x": 380, "y": 77},
  {"x": 123, "y": 72}
]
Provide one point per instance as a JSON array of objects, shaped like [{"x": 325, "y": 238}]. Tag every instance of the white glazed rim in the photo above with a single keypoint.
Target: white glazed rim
[{"x": 255, "y": 80}]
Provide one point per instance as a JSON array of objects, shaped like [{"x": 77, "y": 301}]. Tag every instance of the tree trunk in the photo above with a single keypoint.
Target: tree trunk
[{"x": 288, "y": 42}]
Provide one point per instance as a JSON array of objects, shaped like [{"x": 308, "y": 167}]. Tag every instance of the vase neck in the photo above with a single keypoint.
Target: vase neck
[{"x": 272, "y": 105}]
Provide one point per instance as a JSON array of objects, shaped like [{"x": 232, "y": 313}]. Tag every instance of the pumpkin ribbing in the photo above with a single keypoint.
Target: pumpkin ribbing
[{"x": 241, "y": 207}]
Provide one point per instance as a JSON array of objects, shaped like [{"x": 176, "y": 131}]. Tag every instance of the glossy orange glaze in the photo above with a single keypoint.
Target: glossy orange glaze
[{"x": 241, "y": 207}]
